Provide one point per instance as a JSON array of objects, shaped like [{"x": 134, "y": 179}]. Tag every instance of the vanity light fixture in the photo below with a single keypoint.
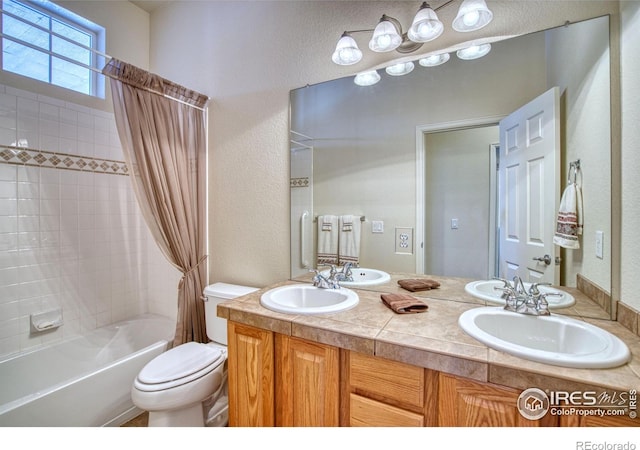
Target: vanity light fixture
[
  {"x": 347, "y": 51},
  {"x": 426, "y": 26},
  {"x": 434, "y": 60},
  {"x": 400, "y": 69},
  {"x": 474, "y": 51},
  {"x": 472, "y": 15},
  {"x": 368, "y": 78},
  {"x": 388, "y": 35}
]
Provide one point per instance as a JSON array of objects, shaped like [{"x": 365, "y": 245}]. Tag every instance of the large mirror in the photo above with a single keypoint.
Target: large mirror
[{"x": 415, "y": 156}]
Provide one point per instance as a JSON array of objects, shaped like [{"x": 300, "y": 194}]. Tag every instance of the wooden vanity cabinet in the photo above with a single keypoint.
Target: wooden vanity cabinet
[
  {"x": 307, "y": 383},
  {"x": 381, "y": 392},
  {"x": 468, "y": 403},
  {"x": 251, "y": 375},
  {"x": 277, "y": 380}
]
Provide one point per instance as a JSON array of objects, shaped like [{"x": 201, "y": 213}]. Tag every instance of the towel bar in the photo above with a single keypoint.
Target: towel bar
[{"x": 362, "y": 218}]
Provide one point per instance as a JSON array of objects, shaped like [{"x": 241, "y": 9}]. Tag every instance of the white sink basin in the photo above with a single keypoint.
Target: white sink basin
[
  {"x": 363, "y": 277},
  {"x": 308, "y": 299},
  {"x": 484, "y": 289},
  {"x": 557, "y": 340}
]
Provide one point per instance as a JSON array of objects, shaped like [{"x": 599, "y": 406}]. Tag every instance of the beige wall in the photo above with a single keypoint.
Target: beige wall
[
  {"x": 247, "y": 65},
  {"x": 630, "y": 205}
]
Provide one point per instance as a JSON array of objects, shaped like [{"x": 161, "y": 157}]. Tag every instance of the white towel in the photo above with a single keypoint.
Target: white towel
[
  {"x": 569, "y": 223},
  {"x": 350, "y": 227},
  {"x": 327, "y": 240}
]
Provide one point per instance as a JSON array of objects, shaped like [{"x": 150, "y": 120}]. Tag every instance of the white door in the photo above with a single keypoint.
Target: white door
[{"x": 529, "y": 192}]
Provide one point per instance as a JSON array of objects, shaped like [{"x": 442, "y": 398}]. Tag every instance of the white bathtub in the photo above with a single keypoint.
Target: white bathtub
[{"x": 85, "y": 381}]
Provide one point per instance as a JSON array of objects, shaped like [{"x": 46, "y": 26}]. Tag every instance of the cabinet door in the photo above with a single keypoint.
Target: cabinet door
[
  {"x": 467, "y": 403},
  {"x": 251, "y": 391},
  {"x": 307, "y": 383}
]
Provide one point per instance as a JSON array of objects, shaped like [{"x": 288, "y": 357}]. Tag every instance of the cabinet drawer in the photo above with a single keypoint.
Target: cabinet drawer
[
  {"x": 370, "y": 413},
  {"x": 389, "y": 379}
]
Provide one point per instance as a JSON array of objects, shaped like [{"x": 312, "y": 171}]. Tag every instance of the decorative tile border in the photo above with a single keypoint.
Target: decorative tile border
[
  {"x": 41, "y": 158},
  {"x": 299, "y": 182}
]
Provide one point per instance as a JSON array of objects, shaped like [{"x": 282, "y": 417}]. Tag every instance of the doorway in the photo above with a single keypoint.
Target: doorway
[{"x": 460, "y": 192}]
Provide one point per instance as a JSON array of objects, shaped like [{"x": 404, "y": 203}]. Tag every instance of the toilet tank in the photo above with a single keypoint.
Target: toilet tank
[{"x": 215, "y": 294}]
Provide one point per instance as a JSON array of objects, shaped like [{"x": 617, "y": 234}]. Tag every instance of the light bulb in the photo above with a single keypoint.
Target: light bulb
[
  {"x": 368, "y": 78},
  {"x": 383, "y": 41},
  {"x": 347, "y": 51},
  {"x": 471, "y": 18},
  {"x": 400, "y": 69}
]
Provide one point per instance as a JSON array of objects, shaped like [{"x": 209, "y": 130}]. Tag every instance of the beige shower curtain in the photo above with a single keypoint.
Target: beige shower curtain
[{"x": 164, "y": 145}]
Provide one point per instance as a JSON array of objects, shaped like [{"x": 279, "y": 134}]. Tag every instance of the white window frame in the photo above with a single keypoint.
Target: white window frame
[{"x": 96, "y": 86}]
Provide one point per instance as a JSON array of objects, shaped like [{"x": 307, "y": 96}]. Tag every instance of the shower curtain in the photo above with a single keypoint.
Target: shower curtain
[{"x": 162, "y": 128}]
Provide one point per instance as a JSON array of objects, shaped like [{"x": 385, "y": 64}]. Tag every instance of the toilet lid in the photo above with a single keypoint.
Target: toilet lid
[{"x": 179, "y": 362}]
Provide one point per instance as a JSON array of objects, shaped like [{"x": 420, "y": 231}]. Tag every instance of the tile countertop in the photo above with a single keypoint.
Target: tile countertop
[{"x": 433, "y": 339}]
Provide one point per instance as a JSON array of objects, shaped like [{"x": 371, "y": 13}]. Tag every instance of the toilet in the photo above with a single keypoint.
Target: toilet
[{"x": 187, "y": 385}]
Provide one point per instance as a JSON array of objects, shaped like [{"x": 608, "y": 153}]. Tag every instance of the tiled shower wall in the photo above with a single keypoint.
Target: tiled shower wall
[{"x": 71, "y": 233}]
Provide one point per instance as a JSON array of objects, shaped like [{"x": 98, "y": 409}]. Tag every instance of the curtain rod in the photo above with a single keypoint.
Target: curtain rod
[{"x": 153, "y": 91}]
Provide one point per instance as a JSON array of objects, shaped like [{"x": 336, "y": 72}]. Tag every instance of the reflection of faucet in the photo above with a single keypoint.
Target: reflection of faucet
[
  {"x": 517, "y": 299},
  {"x": 345, "y": 274},
  {"x": 329, "y": 282},
  {"x": 335, "y": 276}
]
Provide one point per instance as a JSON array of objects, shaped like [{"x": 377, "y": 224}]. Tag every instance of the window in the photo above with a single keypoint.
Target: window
[{"x": 43, "y": 41}]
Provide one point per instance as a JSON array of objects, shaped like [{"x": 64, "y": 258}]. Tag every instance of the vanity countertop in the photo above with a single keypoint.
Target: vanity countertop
[{"x": 434, "y": 340}]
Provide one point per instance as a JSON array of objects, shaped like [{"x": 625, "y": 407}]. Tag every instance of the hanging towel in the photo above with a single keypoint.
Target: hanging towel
[
  {"x": 349, "y": 241},
  {"x": 569, "y": 223},
  {"x": 327, "y": 240}
]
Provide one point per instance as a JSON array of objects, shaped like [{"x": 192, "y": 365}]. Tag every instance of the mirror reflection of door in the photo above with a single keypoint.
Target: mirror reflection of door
[
  {"x": 484, "y": 218},
  {"x": 460, "y": 201},
  {"x": 529, "y": 168}
]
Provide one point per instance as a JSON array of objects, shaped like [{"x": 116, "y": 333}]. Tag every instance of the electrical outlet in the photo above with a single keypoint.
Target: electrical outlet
[
  {"x": 404, "y": 241},
  {"x": 600, "y": 244}
]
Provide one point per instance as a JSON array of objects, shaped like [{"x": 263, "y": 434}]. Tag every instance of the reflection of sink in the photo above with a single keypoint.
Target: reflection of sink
[
  {"x": 554, "y": 339},
  {"x": 308, "y": 299},
  {"x": 484, "y": 289},
  {"x": 363, "y": 277}
]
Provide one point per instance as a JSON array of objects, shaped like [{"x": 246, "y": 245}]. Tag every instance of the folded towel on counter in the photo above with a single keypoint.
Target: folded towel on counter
[
  {"x": 404, "y": 303},
  {"x": 569, "y": 222},
  {"x": 327, "y": 240},
  {"x": 349, "y": 240},
  {"x": 415, "y": 284}
]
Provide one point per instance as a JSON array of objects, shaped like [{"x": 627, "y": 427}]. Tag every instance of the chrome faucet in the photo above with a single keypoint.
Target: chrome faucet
[
  {"x": 334, "y": 278},
  {"x": 330, "y": 282},
  {"x": 345, "y": 274},
  {"x": 518, "y": 299}
]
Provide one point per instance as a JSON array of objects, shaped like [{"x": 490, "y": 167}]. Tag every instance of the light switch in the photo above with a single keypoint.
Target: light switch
[
  {"x": 600, "y": 244},
  {"x": 454, "y": 224},
  {"x": 377, "y": 226}
]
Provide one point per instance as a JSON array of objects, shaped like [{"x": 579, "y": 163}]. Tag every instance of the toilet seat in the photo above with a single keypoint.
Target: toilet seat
[{"x": 178, "y": 366}]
